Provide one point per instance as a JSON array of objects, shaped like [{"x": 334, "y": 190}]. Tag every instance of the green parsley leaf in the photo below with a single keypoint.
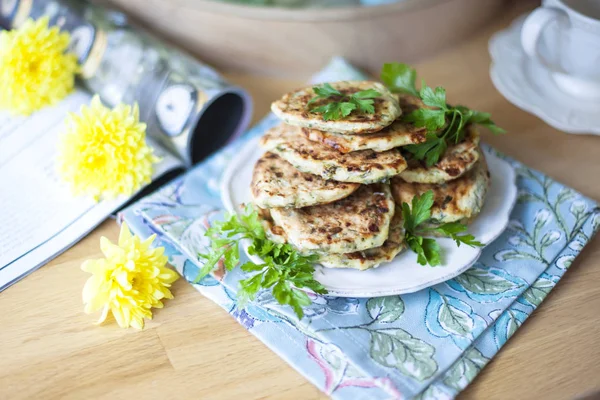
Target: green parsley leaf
[
  {"x": 298, "y": 300},
  {"x": 433, "y": 120},
  {"x": 210, "y": 264},
  {"x": 409, "y": 223},
  {"x": 484, "y": 119},
  {"x": 336, "y": 110},
  {"x": 444, "y": 123},
  {"x": 421, "y": 208},
  {"x": 270, "y": 277},
  {"x": 249, "y": 287},
  {"x": 477, "y": 117},
  {"x": 284, "y": 271},
  {"x": 249, "y": 266},
  {"x": 433, "y": 156},
  {"x": 365, "y": 106},
  {"x": 452, "y": 229},
  {"x": 428, "y": 150},
  {"x": 433, "y": 98},
  {"x": 364, "y": 100},
  {"x": 432, "y": 252},
  {"x": 415, "y": 244},
  {"x": 399, "y": 78},
  {"x": 231, "y": 257},
  {"x": 323, "y": 92},
  {"x": 427, "y": 249},
  {"x": 366, "y": 94}
]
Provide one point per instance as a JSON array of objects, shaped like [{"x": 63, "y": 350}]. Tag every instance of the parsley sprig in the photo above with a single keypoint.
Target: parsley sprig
[
  {"x": 427, "y": 249},
  {"x": 284, "y": 270},
  {"x": 445, "y": 124},
  {"x": 342, "y": 105}
]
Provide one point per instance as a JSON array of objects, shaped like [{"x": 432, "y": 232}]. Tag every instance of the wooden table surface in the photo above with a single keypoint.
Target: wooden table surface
[{"x": 194, "y": 349}]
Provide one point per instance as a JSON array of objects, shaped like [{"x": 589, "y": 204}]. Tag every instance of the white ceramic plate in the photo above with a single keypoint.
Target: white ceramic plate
[
  {"x": 403, "y": 274},
  {"x": 529, "y": 86}
]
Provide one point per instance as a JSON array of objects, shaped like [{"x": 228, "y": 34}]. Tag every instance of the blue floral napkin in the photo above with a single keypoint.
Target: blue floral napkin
[{"x": 430, "y": 344}]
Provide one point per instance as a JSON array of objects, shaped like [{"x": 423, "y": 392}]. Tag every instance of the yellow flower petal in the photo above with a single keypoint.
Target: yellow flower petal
[
  {"x": 123, "y": 280},
  {"x": 103, "y": 316},
  {"x": 130, "y": 264},
  {"x": 119, "y": 317},
  {"x": 158, "y": 304},
  {"x": 138, "y": 323},
  {"x": 90, "y": 266},
  {"x": 168, "y": 276},
  {"x": 103, "y": 152},
  {"x": 109, "y": 249},
  {"x": 35, "y": 69},
  {"x": 90, "y": 289},
  {"x": 125, "y": 234},
  {"x": 129, "y": 281}
]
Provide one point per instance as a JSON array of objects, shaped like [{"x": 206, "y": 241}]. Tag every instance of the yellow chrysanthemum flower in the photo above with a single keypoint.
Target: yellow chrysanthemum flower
[
  {"x": 35, "y": 69},
  {"x": 129, "y": 281},
  {"x": 104, "y": 151}
]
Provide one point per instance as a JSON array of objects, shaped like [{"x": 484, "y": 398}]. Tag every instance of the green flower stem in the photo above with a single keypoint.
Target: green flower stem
[
  {"x": 361, "y": 326},
  {"x": 553, "y": 207},
  {"x": 578, "y": 224}
]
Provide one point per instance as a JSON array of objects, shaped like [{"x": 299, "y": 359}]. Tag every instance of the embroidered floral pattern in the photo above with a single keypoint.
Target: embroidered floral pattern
[{"x": 430, "y": 344}]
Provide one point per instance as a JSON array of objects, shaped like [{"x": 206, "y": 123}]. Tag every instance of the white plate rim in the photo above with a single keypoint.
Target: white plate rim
[{"x": 250, "y": 147}]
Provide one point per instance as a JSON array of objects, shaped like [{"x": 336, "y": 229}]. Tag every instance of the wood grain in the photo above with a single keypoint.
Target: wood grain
[{"x": 193, "y": 349}]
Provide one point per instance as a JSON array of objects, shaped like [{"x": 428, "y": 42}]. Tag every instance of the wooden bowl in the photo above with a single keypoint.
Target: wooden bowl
[{"x": 280, "y": 41}]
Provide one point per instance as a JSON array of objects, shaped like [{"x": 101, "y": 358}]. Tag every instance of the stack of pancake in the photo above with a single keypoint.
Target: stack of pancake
[{"x": 332, "y": 188}]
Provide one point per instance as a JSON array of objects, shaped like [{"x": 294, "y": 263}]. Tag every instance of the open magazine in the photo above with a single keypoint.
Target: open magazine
[{"x": 190, "y": 111}]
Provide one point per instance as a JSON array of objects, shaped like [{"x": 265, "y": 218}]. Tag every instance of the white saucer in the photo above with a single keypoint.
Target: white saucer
[
  {"x": 403, "y": 274},
  {"x": 529, "y": 86}
]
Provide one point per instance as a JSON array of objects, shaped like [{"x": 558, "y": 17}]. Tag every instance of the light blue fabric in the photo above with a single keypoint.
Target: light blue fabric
[{"x": 429, "y": 344}]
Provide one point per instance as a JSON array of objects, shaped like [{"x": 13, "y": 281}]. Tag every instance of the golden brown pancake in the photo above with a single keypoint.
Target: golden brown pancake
[
  {"x": 365, "y": 166},
  {"x": 293, "y": 109},
  {"x": 456, "y": 161},
  {"x": 360, "y": 221},
  {"x": 457, "y": 200},
  {"x": 276, "y": 183}
]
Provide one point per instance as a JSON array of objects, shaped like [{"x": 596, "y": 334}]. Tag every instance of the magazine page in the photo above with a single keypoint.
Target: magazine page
[
  {"x": 39, "y": 216},
  {"x": 189, "y": 109}
]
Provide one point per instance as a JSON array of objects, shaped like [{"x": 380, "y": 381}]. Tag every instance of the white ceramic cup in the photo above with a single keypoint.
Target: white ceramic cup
[{"x": 570, "y": 30}]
